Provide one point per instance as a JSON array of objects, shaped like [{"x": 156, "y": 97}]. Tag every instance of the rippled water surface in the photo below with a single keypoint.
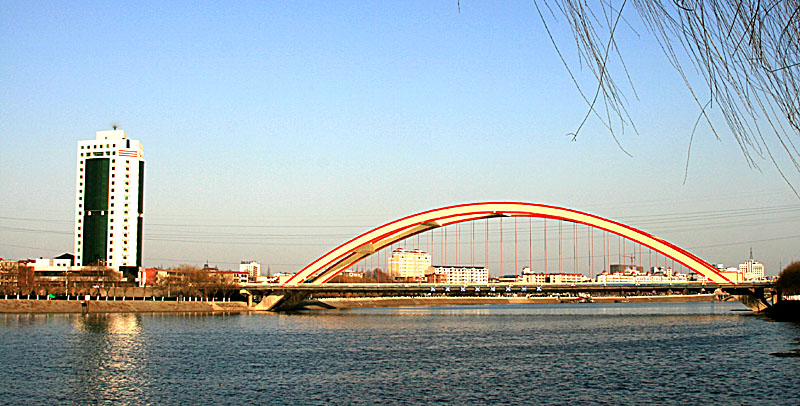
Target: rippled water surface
[{"x": 687, "y": 353}]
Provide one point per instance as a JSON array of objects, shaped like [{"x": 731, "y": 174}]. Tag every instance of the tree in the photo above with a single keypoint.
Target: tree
[
  {"x": 228, "y": 285},
  {"x": 789, "y": 279},
  {"x": 188, "y": 278},
  {"x": 95, "y": 275},
  {"x": 746, "y": 51}
]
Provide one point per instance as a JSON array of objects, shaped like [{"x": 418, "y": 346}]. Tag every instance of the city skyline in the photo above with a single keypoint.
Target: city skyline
[{"x": 295, "y": 127}]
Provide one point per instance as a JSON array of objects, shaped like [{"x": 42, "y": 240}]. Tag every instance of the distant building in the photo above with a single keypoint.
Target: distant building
[
  {"x": 534, "y": 278},
  {"x": 149, "y": 276},
  {"x": 109, "y": 202},
  {"x": 51, "y": 264},
  {"x": 615, "y": 278},
  {"x": 352, "y": 274},
  {"x": 661, "y": 270},
  {"x": 155, "y": 277},
  {"x": 282, "y": 277},
  {"x": 235, "y": 276},
  {"x": 252, "y": 268},
  {"x": 566, "y": 278},
  {"x": 634, "y": 277},
  {"x": 409, "y": 265},
  {"x": 263, "y": 279},
  {"x": 437, "y": 278},
  {"x": 505, "y": 279},
  {"x": 752, "y": 269},
  {"x": 528, "y": 276},
  {"x": 15, "y": 274},
  {"x": 463, "y": 274},
  {"x": 625, "y": 268},
  {"x": 732, "y": 274}
]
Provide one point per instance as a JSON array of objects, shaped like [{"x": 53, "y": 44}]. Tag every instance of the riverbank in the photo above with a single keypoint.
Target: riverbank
[
  {"x": 150, "y": 306},
  {"x": 787, "y": 310},
  {"x": 359, "y": 302},
  {"x": 128, "y": 306}
]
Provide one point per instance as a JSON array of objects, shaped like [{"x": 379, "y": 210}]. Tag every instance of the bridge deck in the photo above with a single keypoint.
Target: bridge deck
[{"x": 390, "y": 288}]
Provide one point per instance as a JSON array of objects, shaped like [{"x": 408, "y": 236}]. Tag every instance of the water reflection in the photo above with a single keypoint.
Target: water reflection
[
  {"x": 537, "y": 354},
  {"x": 106, "y": 357}
]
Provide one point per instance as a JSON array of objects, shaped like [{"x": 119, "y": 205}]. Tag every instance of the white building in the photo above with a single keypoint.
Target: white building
[
  {"x": 412, "y": 264},
  {"x": 51, "y": 264},
  {"x": 619, "y": 277},
  {"x": 752, "y": 270},
  {"x": 615, "y": 278},
  {"x": 463, "y": 274},
  {"x": 252, "y": 268},
  {"x": 534, "y": 278},
  {"x": 566, "y": 278},
  {"x": 109, "y": 202}
]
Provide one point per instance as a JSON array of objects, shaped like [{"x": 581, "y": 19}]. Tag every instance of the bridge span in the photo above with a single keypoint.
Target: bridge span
[
  {"x": 273, "y": 297},
  {"x": 330, "y": 264},
  {"x": 316, "y": 277}
]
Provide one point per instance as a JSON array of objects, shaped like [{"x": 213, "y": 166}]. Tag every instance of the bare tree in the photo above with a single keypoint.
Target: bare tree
[
  {"x": 746, "y": 51},
  {"x": 789, "y": 279},
  {"x": 228, "y": 285}
]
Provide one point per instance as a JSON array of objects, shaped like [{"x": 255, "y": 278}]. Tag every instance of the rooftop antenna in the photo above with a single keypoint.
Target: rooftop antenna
[
  {"x": 751, "y": 252},
  {"x": 114, "y": 125}
]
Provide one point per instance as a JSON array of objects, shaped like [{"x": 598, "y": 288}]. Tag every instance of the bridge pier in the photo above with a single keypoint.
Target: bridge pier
[
  {"x": 281, "y": 301},
  {"x": 755, "y": 298}
]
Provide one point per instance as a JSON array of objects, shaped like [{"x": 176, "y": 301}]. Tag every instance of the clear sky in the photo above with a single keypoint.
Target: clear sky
[{"x": 275, "y": 130}]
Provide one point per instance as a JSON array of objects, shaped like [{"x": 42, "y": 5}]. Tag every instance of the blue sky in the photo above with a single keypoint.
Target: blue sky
[{"x": 338, "y": 117}]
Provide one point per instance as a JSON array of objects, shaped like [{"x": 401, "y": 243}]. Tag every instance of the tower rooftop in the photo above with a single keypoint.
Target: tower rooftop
[{"x": 111, "y": 135}]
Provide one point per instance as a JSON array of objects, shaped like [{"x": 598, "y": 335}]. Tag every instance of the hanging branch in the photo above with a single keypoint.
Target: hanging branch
[{"x": 747, "y": 54}]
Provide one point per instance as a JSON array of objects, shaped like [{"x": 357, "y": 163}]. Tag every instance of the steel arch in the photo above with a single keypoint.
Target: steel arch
[{"x": 335, "y": 261}]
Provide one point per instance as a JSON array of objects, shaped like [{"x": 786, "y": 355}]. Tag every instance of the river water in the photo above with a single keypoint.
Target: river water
[{"x": 624, "y": 353}]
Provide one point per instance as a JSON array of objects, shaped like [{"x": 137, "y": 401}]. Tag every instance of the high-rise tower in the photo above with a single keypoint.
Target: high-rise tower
[{"x": 109, "y": 202}]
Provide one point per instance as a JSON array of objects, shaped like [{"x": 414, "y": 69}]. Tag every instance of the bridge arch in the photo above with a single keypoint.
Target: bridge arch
[{"x": 338, "y": 259}]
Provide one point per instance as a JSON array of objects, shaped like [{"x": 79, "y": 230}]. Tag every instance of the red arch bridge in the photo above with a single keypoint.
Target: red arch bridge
[{"x": 315, "y": 278}]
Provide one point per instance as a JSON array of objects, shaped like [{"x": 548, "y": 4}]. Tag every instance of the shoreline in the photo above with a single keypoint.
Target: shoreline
[
  {"x": 362, "y": 302},
  {"x": 127, "y": 306},
  {"x": 22, "y": 306}
]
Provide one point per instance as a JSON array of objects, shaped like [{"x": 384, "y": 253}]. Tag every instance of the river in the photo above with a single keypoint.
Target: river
[{"x": 614, "y": 353}]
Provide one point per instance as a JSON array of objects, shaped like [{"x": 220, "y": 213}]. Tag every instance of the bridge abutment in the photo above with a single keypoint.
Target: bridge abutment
[{"x": 281, "y": 301}]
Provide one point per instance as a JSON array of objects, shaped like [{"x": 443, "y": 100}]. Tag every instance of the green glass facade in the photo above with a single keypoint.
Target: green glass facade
[
  {"x": 96, "y": 190},
  {"x": 95, "y": 211}
]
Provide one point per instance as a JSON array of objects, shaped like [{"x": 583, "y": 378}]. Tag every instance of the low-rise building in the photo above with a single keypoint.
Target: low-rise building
[
  {"x": 282, "y": 277},
  {"x": 625, "y": 268},
  {"x": 463, "y": 274},
  {"x": 617, "y": 277},
  {"x": 252, "y": 268},
  {"x": 164, "y": 277},
  {"x": 437, "y": 278},
  {"x": 634, "y": 277},
  {"x": 566, "y": 278},
  {"x": 352, "y": 274},
  {"x": 535, "y": 278}
]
